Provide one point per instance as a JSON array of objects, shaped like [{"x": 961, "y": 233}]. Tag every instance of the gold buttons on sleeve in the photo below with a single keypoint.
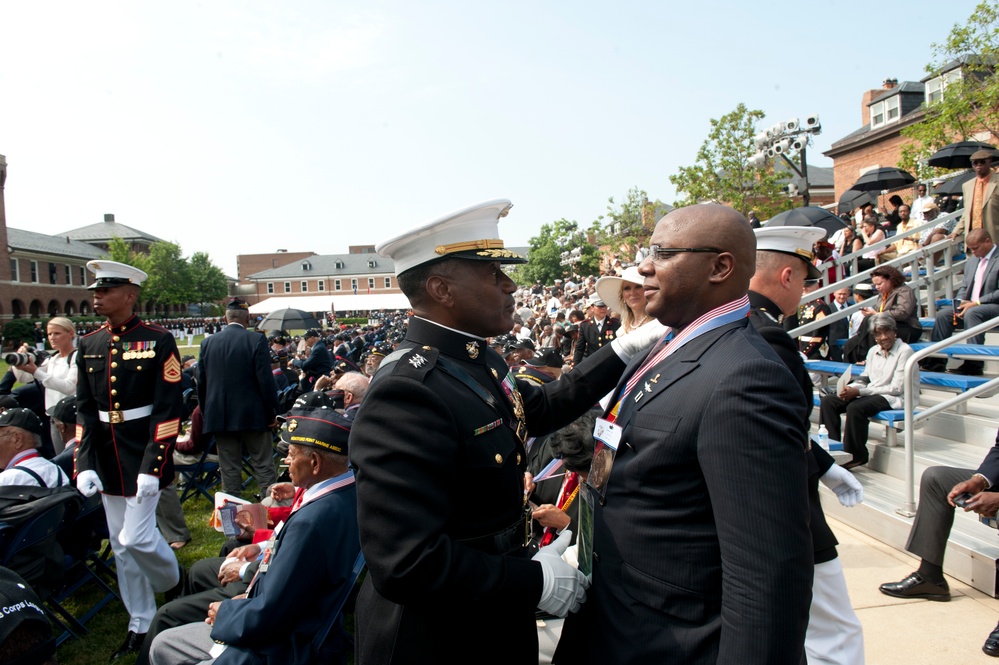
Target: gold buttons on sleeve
[{"x": 499, "y": 458}]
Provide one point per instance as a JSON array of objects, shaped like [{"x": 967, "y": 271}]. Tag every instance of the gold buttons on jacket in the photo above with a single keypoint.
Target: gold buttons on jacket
[
  {"x": 113, "y": 365},
  {"x": 117, "y": 405},
  {"x": 499, "y": 458},
  {"x": 114, "y": 392},
  {"x": 156, "y": 470},
  {"x": 114, "y": 352},
  {"x": 518, "y": 458},
  {"x": 90, "y": 369},
  {"x": 139, "y": 367},
  {"x": 113, "y": 379},
  {"x": 159, "y": 457},
  {"x": 116, "y": 339}
]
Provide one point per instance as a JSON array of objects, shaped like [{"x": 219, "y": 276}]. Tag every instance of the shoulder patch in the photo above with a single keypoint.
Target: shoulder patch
[{"x": 171, "y": 369}]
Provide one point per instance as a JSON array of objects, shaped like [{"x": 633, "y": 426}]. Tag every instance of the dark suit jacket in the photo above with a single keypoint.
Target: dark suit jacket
[
  {"x": 990, "y": 212},
  {"x": 437, "y": 466},
  {"x": 318, "y": 363},
  {"x": 990, "y": 289},
  {"x": 590, "y": 340},
  {"x": 293, "y": 599},
  {"x": 702, "y": 551},
  {"x": 236, "y": 389}
]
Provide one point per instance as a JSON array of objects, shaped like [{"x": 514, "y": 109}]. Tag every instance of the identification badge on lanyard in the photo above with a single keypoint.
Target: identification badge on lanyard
[{"x": 607, "y": 438}]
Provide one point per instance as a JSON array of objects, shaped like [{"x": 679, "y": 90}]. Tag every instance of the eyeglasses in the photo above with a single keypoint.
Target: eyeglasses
[
  {"x": 660, "y": 253},
  {"x": 976, "y": 162}
]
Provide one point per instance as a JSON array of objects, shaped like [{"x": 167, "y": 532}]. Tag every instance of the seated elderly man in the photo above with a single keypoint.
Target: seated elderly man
[
  {"x": 298, "y": 586},
  {"x": 879, "y": 388},
  {"x": 976, "y": 301},
  {"x": 20, "y": 437},
  {"x": 941, "y": 489}
]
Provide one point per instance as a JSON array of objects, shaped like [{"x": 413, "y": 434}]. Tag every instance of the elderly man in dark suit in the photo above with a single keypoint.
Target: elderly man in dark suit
[
  {"x": 941, "y": 489},
  {"x": 981, "y": 198},
  {"x": 976, "y": 301},
  {"x": 238, "y": 398},
  {"x": 701, "y": 551}
]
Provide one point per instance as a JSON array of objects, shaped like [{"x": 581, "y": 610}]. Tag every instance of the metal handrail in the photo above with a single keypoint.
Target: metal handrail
[
  {"x": 911, "y": 418},
  {"x": 950, "y": 269}
]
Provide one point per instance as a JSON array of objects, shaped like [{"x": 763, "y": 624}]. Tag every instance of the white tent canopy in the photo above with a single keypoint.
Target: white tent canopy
[{"x": 327, "y": 302}]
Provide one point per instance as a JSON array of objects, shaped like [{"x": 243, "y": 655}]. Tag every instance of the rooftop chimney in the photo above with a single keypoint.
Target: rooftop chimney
[
  {"x": 888, "y": 84},
  {"x": 109, "y": 218}
]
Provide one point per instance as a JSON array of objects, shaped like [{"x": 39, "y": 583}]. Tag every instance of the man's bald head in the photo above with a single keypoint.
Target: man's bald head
[{"x": 684, "y": 285}]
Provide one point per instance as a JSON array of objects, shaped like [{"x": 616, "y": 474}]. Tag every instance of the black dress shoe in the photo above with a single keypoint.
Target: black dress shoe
[
  {"x": 991, "y": 645},
  {"x": 854, "y": 463},
  {"x": 969, "y": 368},
  {"x": 933, "y": 365},
  {"x": 917, "y": 586},
  {"x": 131, "y": 644}
]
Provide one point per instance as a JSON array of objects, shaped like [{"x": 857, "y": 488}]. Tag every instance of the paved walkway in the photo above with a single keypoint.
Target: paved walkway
[{"x": 912, "y": 632}]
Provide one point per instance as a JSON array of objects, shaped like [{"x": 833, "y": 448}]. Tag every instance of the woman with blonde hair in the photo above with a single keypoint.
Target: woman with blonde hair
[
  {"x": 57, "y": 373},
  {"x": 626, "y": 296}
]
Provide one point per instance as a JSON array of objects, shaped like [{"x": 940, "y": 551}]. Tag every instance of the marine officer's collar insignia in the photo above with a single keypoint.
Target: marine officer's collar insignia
[
  {"x": 417, "y": 361},
  {"x": 292, "y": 425},
  {"x": 473, "y": 350}
]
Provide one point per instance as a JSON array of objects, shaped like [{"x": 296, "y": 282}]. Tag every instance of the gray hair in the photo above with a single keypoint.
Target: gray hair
[{"x": 882, "y": 320}]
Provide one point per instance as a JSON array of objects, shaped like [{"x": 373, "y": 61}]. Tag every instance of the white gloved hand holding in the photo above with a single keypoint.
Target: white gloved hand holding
[
  {"x": 565, "y": 587},
  {"x": 147, "y": 486},
  {"x": 638, "y": 340},
  {"x": 88, "y": 483},
  {"x": 847, "y": 488}
]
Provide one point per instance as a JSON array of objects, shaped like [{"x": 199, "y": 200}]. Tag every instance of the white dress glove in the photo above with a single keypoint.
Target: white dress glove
[
  {"x": 147, "y": 486},
  {"x": 638, "y": 340},
  {"x": 847, "y": 488},
  {"x": 88, "y": 483},
  {"x": 565, "y": 587}
]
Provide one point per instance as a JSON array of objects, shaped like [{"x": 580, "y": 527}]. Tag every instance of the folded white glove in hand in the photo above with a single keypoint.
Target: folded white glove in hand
[
  {"x": 88, "y": 483},
  {"x": 565, "y": 587},
  {"x": 847, "y": 488},
  {"x": 147, "y": 486},
  {"x": 638, "y": 340}
]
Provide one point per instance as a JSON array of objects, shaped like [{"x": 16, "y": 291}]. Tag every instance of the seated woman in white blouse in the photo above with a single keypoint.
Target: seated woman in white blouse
[{"x": 57, "y": 373}]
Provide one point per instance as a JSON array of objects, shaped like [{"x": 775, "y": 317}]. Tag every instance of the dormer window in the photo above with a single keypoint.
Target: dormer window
[
  {"x": 886, "y": 111},
  {"x": 339, "y": 265},
  {"x": 935, "y": 87},
  {"x": 306, "y": 265},
  {"x": 372, "y": 263}
]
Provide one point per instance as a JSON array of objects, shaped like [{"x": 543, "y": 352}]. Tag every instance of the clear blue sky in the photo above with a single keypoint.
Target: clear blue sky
[{"x": 242, "y": 127}]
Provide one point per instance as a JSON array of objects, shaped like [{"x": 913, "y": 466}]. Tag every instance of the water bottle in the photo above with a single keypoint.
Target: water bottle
[{"x": 823, "y": 437}]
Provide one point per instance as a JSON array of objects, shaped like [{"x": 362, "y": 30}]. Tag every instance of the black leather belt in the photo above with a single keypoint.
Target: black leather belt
[{"x": 508, "y": 541}]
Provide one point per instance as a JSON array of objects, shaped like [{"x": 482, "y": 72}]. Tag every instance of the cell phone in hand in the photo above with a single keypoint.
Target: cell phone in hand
[{"x": 962, "y": 499}]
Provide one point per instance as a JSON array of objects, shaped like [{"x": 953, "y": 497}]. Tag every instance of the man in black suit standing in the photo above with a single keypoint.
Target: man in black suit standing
[
  {"x": 238, "y": 398},
  {"x": 977, "y": 300},
  {"x": 318, "y": 363},
  {"x": 701, "y": 551},
  {"x": 595, "y": 332}
]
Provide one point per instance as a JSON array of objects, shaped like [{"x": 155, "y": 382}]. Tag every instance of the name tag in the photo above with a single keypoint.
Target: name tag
[{"x": 607, "y": 433}]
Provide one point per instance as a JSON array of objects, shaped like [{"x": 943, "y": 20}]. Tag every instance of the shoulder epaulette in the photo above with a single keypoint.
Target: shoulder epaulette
[{"x": 411, "y": 363}]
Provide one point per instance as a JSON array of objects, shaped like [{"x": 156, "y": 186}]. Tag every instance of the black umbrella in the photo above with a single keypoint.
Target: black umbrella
[
  {"x": 958, "y": 155},
  {"x": 953, "y": 186},
  {"x": 808, "y": 216},
  {"x": 853, "y": 199},
  {"x": 886, "y": 178},
  {"x": 288, "y": 319}
]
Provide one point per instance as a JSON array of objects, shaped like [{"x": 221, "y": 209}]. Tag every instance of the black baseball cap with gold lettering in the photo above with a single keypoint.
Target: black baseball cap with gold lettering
[{"x": 319, "y": 428}]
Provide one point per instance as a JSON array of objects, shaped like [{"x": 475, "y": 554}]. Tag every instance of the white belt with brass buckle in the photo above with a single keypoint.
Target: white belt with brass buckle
[{"x": 115, "y": 417}]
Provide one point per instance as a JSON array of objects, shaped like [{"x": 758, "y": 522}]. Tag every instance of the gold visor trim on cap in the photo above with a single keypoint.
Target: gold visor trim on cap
[
  {"x": 804, "y": 253},
  {"x": 493, "y": 243}
]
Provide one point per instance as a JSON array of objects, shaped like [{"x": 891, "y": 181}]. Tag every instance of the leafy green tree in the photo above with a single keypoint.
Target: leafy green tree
[
  {"x": 208, "y": 282},
  {"x": 721, "y": 172},
  {"x": 169, "y": 281},
  {"x": 970, "y": 104},
  {"x": 545, "y": 254},
  {"x": 629, "y": 225},
  {"x": 120, "y": 251}
]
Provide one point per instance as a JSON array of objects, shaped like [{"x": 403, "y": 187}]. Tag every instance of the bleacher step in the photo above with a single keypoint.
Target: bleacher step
[{"x": 972, "y": 549}]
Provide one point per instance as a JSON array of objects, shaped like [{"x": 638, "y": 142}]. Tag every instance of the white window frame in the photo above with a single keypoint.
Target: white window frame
[
  {"x": 34, "y": 272},
  {"x": 353, "y": 284},
  {"x": 877, "y": 115},
  {"x": 287, "y": 287},
  {"x": 83, "y": 276},
  {"x": 270, "y": 287},
  {"x": 15, "y": 270},
  {"x": 305, "y": 286},
  {"x": 336, "y": 285},
  {"x": 893, "y": 105},
  {"x": 371, "y": 282},
  {"x": 322, "y": 285},
  {"x": 69, "y": 275},
  {"x": 936, "y": 87},
  {"x": 388, "y": 282}
]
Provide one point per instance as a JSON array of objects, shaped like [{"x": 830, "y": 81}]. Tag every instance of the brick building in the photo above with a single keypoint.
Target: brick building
[
  {"x": 43, "y": 276},
  {"x": 249, "y": 264}
]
